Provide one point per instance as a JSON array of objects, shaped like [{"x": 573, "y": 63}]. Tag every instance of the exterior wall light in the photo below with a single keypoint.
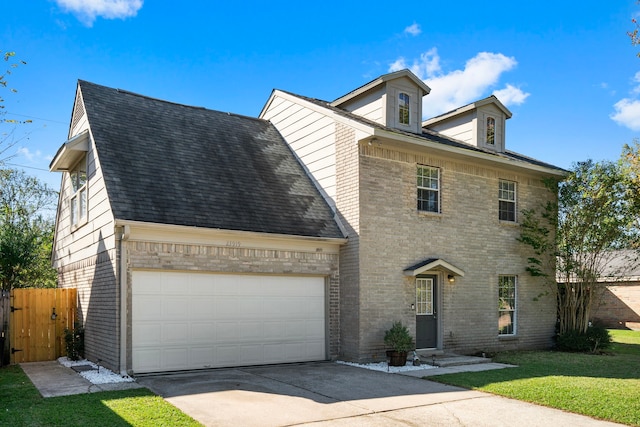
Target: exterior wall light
[
  {"x": 451, "y": 278},
  {"x": 53, "y": 314}
]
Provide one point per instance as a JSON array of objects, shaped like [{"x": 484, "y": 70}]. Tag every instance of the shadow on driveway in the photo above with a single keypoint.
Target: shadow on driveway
[
  {"x": 293, "y": 394},
  {"x": 331, "y": 394}
]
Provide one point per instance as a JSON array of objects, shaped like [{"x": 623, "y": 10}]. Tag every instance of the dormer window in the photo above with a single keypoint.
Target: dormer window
[
  {"x": 403, "y": 108},
  {"x": 491, "y": 131}
]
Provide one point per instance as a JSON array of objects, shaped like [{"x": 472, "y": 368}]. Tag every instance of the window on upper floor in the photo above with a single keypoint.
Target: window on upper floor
[
  {"x": 507, "y": 287},
  {"x": 507, "y": 200},
  {"x": 78, "y": 205},
  {"x": 403, "y": 108},
  {"x": 428, "y": 189},
  {"x": 491, "y": 131}
]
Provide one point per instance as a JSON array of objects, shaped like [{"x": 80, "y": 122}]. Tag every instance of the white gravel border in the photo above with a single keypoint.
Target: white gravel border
[{"x": 98, "y": 375}]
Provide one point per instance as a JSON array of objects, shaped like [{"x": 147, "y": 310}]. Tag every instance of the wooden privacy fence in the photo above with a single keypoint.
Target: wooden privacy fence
[{"x": 37, "y": 323}]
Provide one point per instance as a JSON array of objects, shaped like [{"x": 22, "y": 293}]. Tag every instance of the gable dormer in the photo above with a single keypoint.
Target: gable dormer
[
  {"x": 481, "y": 123},
  {"x": 393, "y": 100}
]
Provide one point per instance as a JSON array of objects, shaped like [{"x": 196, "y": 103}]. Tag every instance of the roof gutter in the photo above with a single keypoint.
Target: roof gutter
[
  {"x": 467, "y": 153},
  {"x": 239, "y": 233}
]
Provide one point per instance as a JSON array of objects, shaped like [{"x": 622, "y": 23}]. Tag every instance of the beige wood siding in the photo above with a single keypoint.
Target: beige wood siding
[
  {"x": 311, "y": 135},
  {"x": 92, "y": 237},
  {"x": 85, "y": 257},
  {"x": 370, "y": 106},
  {"x": 460, "y": 127}
]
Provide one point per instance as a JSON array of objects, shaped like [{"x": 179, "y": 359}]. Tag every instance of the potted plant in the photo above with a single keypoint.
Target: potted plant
[{"x": 400, "y": 341}]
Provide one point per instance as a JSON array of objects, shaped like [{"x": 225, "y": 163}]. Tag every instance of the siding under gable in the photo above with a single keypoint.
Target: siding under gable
[
  {"x": 311, "y": 136},
  {"x": 460, "y": 127},
  {"x": 370, "y": 106}
]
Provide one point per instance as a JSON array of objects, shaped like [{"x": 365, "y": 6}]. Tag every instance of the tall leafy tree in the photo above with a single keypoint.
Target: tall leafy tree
[
  {"x": 595, "y": 216},
  {"x": 26, "y": 231}
]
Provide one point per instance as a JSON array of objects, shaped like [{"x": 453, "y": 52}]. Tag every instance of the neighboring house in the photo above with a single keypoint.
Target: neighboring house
[
  {"x": 226, "y": 254},
  {"x": 617, "y": 306}
]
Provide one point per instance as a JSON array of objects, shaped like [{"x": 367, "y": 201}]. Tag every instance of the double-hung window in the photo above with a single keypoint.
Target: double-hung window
[
  {"x": 507, "y": 305},
  {"x": 78, "y": 199},
  {"x": 428, "y": 189},
  {"x": 403, "y": 108},
  {"x": 507, "y": 200}
]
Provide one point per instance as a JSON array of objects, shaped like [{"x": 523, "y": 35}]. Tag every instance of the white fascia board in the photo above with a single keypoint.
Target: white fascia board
[
  {"x": 467, "y": 153},
  {"x": 439, "y": 265},
  {"x": 380, "y": 80},
  {"x": 70, "y": 151},
  {"x": 182, "y": 234},
  {"x": 320, "y": 109},
  {"x": 469, "y": 107}
]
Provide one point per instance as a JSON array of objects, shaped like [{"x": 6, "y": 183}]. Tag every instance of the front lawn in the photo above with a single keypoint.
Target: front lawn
[
  {"x": 22, "y": 405},
  {"x": 605, "y": 386}
]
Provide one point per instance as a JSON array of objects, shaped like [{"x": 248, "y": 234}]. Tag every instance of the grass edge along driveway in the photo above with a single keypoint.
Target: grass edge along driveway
[
  {"x": 603, "y": 386},
  {"x": 22, "y": 405}
]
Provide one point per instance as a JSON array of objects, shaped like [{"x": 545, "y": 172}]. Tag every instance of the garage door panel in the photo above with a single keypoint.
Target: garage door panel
[
  {"x": 147, "y": 333},
  {"x": 175, "y": 358},
  {"x": 225, "y": 307},
  {"x": 175, "y": 333},
  {"x": 175, "y": 308},
  {"x": 226, "y": 331},
  {"x": 194, "y": 321},
  {"x": 203, "y": 332}
]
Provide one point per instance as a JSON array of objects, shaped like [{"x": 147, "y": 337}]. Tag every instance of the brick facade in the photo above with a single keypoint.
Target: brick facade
[
  {"x": 618, "y": 306},
  {"x": 392, "y": 234}
]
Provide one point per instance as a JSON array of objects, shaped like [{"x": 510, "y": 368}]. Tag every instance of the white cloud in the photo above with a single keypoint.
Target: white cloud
[
  {"x": 460, "y": 87},
  {"x": 627, "y": 113},
  {"x": 511, "y": 95},
  {"x": 413, "y": 29},
  {"x": 31, "y": 156},
  {"x": 88, "y": 10},
  {"x": 627, "y": 110}
]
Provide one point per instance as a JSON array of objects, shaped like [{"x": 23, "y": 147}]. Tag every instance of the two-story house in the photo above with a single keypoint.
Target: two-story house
[
  {"x": 431, "y": 209},
  {"x": 202, "y": 239}
]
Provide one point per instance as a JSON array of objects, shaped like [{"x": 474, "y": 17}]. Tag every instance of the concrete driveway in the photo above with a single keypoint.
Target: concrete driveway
[{"x": 325, "y": 393}]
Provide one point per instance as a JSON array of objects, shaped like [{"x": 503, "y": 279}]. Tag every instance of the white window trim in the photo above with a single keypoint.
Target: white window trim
[
  {"x": 486, "y": 131},
  {"x": 428, "y": 301},
  {"x": 439, "y": 210},
  {"x": 78, "y": 216},
  {"x": 514, "y": 201},
  {"x": 400, "y": 103},
  {"x": 515, "y": 305}
]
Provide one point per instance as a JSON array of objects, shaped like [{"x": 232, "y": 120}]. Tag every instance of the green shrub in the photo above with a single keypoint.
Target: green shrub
[
  {"x": 596, "y": 338},
  {"x": 398, "y": 338},
  {"x": 74, "y": 340}
]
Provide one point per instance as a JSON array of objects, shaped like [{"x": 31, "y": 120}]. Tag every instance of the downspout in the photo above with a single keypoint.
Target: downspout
[{"x": 123, "y": 236}]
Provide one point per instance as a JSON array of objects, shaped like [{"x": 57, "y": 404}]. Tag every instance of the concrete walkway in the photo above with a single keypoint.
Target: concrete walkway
[{"x": 52, "y": 379}]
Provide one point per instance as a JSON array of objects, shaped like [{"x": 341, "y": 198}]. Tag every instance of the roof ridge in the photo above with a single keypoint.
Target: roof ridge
[{"x": 164, "y": 101}]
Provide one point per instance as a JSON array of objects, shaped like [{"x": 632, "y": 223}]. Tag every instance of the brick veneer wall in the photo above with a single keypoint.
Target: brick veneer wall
[
  {"x": 347, "y": 205},
  {"x": 392, "y": 235},
  {"x": 619, "y": 306}
]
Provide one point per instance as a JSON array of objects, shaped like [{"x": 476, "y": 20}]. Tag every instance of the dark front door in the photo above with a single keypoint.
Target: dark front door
[{"x": 426, "y": 314}]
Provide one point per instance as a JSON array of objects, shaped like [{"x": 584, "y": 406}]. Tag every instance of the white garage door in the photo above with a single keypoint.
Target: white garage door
[{"x": 194, "y": 321}]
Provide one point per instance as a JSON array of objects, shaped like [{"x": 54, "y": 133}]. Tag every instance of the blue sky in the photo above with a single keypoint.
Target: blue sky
[{"x": 566, "y": 69}]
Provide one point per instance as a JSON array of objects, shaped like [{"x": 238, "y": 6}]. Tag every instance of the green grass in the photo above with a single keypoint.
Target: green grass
[
  {"x": 22, "y": 405},
  {"x": 603, "y": 386}
]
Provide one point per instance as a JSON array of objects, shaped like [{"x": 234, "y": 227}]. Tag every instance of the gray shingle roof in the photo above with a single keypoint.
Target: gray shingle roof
[{"x": 175, "y": 164}]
